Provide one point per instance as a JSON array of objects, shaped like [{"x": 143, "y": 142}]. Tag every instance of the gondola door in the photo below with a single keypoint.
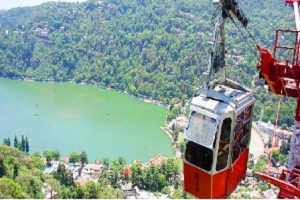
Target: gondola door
[
  {"x": 240, "y": 146},
  {"x": 221, "y": 173}
]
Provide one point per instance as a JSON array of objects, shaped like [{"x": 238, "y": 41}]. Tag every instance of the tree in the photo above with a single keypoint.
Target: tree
[
  {"x": 261, "y": 165},
  {"x": 285, "y": 148},
  {"x": 161, "y": 181},
  {"x": 34, "y": 188},
  {"x": 122, "y": 161},
  {"x": 111, "y": 193},
  {"x": 90, "y": 190},
  {"x": 16, "y": 142},
  {"x": 36, "y": 154},
  {"x": 105, "y": 162},
  {"x": 284, "y": 126},
  {"x": 118, "y": 194},
  {"x": 171, "y": 106},
  {"x": 111, "y": 175},
  {"x": 23, "y": 144},
  {"x": 176, "y": 133},
  {"x": 275, "y": 158},
  {"x": 278, "y": 159},
  {"x": 79, "y": 192},
  {"x": 10, "y": 161},
  {"x": 269, "y": 114},
  {"x": 170, "y": 170},
  {"x": 53, "y": 187},
  {"x": 166, "y": 190},
  {"x": 6, "y": 141},
  {"x": 63, "y": 176},
  {"x": 183, "y": 101},
  {"x": 2, "y": 168},
  {"x": 66, "y": 193},
  {"x": 178, "y": 194},
  {"x": 51, "y": 155},
  {"x": 173, "y": 127},
  {"x": 104, "y": 182},
  {"x": 181, "y": 147},
  {"x": 70, "y": 179},
  {"x": 16, "y": 171},
  {"x": 11, "y": 190},
  {"x": 83, "y": 158},
  {"x": 148, "y": 179},
  {"x": 125, "y": 175},
  {"x": 250, "y": 161},
  {"x": 30, "y": 184},
  {"x": 270, "y": 142},
  {"x": 26, "y": 146},
  {"x": 136, "y": 174},
  {"x": 48, "y": 157},
  {"x": 56, "y": 155},
  {"x": 73, "y": 157}
]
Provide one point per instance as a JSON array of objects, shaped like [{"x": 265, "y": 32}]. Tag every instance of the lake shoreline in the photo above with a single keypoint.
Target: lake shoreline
[{"x": 141, "y": 97}]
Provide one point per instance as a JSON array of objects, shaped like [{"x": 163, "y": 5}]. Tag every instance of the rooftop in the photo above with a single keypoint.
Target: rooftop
[
  {"x": 65, "y": 159},
  {"x": 218, "y": 98},
  {"x": 95, "y": 167},
  {"x": 48, "y": 170}
]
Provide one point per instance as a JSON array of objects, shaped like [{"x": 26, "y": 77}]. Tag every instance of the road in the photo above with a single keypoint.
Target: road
[{"x": 256, "y": 144}]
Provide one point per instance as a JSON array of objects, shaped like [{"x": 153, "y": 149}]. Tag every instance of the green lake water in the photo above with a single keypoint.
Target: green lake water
[{"x": 71, "y": 117}]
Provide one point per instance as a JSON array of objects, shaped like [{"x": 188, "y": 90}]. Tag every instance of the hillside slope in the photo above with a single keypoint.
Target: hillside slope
[{"x": 151, "y": 47}]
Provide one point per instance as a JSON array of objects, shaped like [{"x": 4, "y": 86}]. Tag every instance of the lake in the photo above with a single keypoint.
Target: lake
[{"x": 72, "y": 117}]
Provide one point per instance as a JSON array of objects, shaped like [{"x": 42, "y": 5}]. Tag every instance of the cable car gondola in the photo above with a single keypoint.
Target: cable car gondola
[{"x": 217, "y": 139}]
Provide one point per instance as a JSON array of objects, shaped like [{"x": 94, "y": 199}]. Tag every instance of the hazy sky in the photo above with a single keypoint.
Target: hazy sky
[{"x": 6, "y": 4}]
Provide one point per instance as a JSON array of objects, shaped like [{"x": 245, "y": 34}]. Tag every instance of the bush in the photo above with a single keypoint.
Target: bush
[
  {"x": 263, "y": 187},
  {"x": 284, "y": 126},
  {"x": 166, "y": 190}
]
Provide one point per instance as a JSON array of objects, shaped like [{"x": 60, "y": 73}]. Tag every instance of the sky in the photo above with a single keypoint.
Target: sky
[{"x": 7, "y": 4}]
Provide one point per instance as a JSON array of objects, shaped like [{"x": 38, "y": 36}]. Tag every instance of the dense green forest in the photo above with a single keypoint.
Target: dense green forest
[{"x": 157, "y": 48}]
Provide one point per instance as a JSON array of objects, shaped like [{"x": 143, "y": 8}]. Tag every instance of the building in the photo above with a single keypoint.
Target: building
[
  {"x": 97, "y": 168},
  {"x": 52, "y": 168},
  {"x": 266, "y": 128},
  {"x": 90, "y": 171},
  {"x": 65, "y": 160},
  {"x": 157, "y": 160},
  {"x": 43, "y": 32},
  {"x": 54, "y": 164},
  {"x": 48, "y": 170},
  {"x": 181, "y": 123}
]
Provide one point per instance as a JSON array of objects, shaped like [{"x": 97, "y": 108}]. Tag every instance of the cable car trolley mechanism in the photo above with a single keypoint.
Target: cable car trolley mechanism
[{"x": 218, "y": 132}]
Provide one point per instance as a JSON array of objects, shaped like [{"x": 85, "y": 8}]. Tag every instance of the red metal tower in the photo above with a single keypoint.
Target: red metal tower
[{"x": 283, "y": 77}]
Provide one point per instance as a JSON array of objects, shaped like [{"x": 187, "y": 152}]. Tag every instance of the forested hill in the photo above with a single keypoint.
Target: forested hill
[{"x": 157, "y": 48}]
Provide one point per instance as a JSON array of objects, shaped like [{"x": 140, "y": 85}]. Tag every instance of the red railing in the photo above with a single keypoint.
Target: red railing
[
  {"x": 290, "y": 2},
  {"x": 282, "y": 75},
  {"x": 287, "y": 189}
]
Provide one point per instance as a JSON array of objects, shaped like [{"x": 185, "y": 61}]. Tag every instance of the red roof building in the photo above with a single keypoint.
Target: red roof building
[{"x": 65, "y": 160}]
